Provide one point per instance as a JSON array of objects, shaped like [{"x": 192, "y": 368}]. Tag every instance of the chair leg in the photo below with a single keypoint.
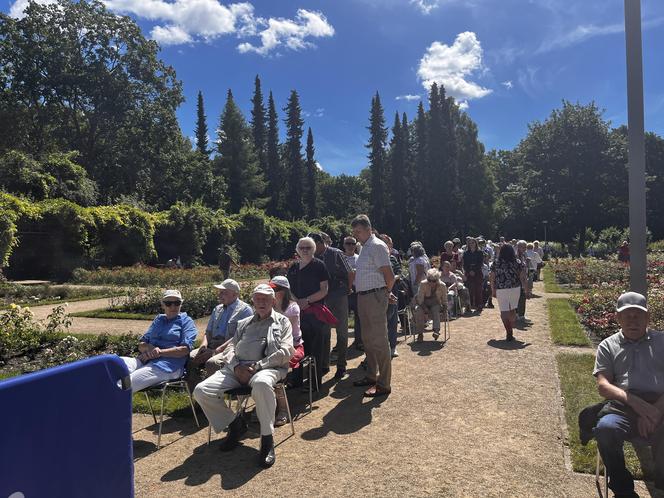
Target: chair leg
[
  {"x": 209, "y": 433},
  {"x": 161, "y": 416},
  {"x": 191, "y": 402},
  {"x": 150, "y": 405},
  {"x": 290, "y": 417}
]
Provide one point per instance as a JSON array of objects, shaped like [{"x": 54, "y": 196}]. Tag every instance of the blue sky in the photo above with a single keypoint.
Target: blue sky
[{"x": 509, "y": 61}]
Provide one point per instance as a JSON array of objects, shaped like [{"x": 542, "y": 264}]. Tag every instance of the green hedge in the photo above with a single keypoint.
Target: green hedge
[{"x": 51, "y": 238}]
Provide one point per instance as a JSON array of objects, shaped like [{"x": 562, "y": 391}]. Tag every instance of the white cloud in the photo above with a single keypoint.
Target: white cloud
[
  {"x": 463, "y": 105},
  {"x": 291, "y": 33},
  {"x": 188, "y": 21},
  {"x": 19, "y": 6},
  {"x": 408, "y": 97},
  {"x": 508, "y": 84},
  {"x": 170, "y": 35},
  {"x": 426, "y": 6},
  {"x": 452, "y": 65},
  {"x": 586, "y": 31},
  {"x": 319, "y": 166},
  {"x": 320, "y": 112}
]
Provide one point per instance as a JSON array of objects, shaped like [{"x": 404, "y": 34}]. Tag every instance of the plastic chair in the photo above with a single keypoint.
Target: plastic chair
[
  {"x": 176, "y": 383},
  {"x": 241, "y": 395}
]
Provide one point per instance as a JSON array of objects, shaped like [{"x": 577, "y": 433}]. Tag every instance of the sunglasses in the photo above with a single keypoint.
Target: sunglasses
[
  {"x": 350, "y": 243},
  {"x": 172, "y": 303},
  {"x": 306, "y": 248}
]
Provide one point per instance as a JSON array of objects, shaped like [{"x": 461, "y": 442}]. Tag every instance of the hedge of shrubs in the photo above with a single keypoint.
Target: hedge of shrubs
[{"x": 51, "y": 238}]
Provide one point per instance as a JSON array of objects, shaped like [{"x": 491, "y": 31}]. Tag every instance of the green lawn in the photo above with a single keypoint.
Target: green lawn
[
  {"x": 565, "y": 327},
  {"x": 549, "y": 279},
  {"x": 116, "y": 315},
  {"x": 577, "y": 385}
]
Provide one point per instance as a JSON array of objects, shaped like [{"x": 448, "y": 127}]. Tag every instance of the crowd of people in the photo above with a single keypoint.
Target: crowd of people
[{"x": 261, "y": 343}]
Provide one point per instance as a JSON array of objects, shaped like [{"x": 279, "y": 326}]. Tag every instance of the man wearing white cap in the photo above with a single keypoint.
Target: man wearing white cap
[
  {"x": 630, "y": 375},
  {"x": 219, "y": 331},
  {"x": 259, "y": 353}
]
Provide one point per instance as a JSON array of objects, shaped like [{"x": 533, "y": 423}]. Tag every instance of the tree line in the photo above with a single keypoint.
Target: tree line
[{"x": 87, "y": 113}]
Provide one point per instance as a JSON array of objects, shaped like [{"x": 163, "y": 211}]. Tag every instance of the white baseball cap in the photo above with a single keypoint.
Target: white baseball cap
[
  {"x": 280, "y": 281},
  {"x": 172, "y": 293},
  {"x": 229, "y": 284},
  {"x": 263, "y": 289}
]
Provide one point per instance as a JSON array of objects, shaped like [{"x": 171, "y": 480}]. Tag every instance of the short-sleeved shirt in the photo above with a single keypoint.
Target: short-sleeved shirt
[
  {"x": 633, "y": 365},
  {"x": 292, "y": 312},
  {"x": 412, "y": 268},
  {"x": 352, "y": 260},
  {"x": 165, "y": 333},
  {"x": 306, "y": 281},
  {"x": 338, "y": 268},
  {"x": 374, "y": 255},
  {"x": 508, "y": 275}
]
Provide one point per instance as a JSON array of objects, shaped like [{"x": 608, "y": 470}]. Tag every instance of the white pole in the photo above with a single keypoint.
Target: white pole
[{"x": 636, "y": 148}]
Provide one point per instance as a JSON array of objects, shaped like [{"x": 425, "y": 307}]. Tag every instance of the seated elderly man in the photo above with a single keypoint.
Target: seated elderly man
[
  {"x": 259, "y": 354},
  {"x": 630, "y": 375},
  {"x": 431, "y": 299},
  {"x": 218, "y": 333},
  {"x": 164, "y": 347}
]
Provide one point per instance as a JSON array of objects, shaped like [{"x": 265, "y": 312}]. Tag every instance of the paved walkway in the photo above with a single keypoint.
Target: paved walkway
[{"x": 475, "y": 417}]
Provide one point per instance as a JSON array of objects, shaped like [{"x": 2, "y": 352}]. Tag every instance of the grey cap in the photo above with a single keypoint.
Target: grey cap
[
  {"x": 631, "y": 300},
  {"x": 171, "y": 293},
  {"x": 229, "y": 284}
]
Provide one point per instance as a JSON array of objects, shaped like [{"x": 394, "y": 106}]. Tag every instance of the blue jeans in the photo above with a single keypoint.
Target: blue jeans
[
  {"x": 392, "y": 321},
  {"x": 611, "y": 432}
]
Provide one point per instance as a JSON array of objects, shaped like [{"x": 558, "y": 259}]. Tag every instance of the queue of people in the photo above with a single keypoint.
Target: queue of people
[{"x": 257, "y": 344}]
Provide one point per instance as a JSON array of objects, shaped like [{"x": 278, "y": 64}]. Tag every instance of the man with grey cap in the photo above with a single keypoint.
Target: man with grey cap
[
  {"x": 629, "y": 368},
  {"x": 219, "y": 331},
  {"x": 259, "y": 354}
]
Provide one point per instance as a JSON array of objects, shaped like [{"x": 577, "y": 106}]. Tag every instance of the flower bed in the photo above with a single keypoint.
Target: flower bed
[
  {"x": 589, "y": 272},
  {"x": 146, "y": 276},
  {"x": 45, "y": 294}
]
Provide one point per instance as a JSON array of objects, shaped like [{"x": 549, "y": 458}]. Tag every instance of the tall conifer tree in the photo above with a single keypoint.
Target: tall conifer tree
[
  {"x": 237, "y": 161},
  {"x": 294, "y": 205},
  {"x": 274, "y": 169},
  {"x": 420, "y": 168},
  {"x": 312, "y": 178},
  {"x": 202, "y": 144},
  {"x": 397, "y": 181},
  {"x": 377, "y": 163},
  {"x": 258, "y": 128}
]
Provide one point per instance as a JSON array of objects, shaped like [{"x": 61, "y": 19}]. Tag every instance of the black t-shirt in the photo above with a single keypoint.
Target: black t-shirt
[{"x": 306, "y": 281}]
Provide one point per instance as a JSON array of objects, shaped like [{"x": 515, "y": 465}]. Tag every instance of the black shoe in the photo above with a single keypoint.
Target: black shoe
[
  {"x": 490, "y": 305},
  {"x": 626, "y": 495},
  {"x": 235, "y": 430},
  {"x": 340, "y": 373},
  {"x": 510, "y": 337},
  {"x": 266, "y": 456},
  {"x": 325, "y": 370}
]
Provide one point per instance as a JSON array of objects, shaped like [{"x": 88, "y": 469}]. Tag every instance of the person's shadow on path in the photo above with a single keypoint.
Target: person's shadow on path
[
  {"x": 425, "y": 348},
  {"x": 347, "y": 416},
  {"x": 507, "y": 345},
  {"x": 236, "y": 468}
]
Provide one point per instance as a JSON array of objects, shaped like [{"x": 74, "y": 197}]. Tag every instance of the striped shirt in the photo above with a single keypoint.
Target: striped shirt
[{"x": 374, "y": 255}]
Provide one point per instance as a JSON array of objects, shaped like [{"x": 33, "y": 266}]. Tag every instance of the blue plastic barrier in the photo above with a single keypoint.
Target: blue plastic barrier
[{"x": 66, "y": 432}]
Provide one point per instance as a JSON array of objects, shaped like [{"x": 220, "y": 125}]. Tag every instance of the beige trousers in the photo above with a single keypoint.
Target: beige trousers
[{"x": 372, "y": 309}]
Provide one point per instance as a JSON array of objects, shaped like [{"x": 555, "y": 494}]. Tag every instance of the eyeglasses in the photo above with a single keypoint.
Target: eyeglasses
[
  {"x": 350, "y": 243},
  {"x": 172, "y": 303},
  {"x": 306, "y": 248}
]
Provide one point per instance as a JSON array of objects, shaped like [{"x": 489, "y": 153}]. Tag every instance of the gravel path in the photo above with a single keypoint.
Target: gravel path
[{"x": 475, "y": 417}]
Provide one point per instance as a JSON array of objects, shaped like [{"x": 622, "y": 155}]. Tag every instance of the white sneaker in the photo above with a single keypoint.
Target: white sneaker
[{"x": 394, "y": 352}]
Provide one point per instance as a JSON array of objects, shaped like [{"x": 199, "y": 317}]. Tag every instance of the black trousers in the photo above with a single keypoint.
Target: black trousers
[{"x": 313, "y": 332}]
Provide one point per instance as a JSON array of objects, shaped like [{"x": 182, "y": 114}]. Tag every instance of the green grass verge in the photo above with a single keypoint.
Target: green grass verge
[
  {"x": 565, "y": 327},
  {"x": 549, "y": 279},
  {"x": 579, "y": 390},
  {"x": 115, "y": 315},
  {"x": 175, "y": 403}
]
